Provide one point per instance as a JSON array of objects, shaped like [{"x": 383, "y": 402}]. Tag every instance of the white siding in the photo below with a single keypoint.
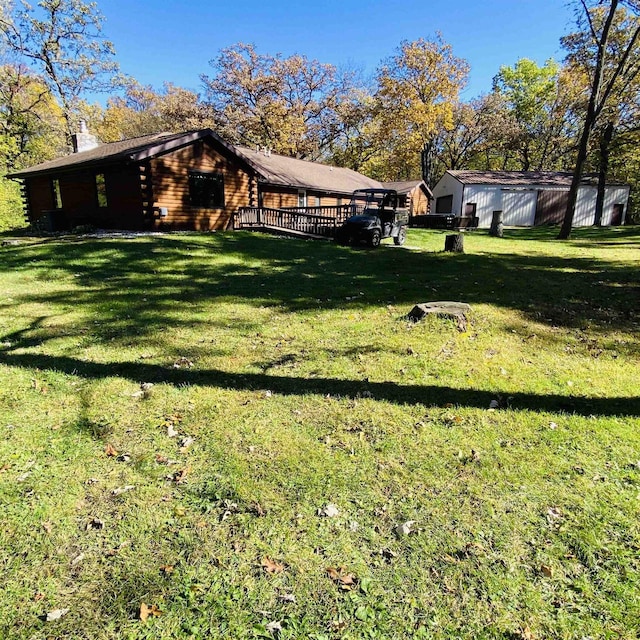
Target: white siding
[
  {"x": 519, "y": 207},
  {"x": 585, "y": 207},
  {"x": 448, "y": 186},
  {"x": 614, "y": 195},
  {"x": 487, "y": 200},
  {"x": 518, "y": 204}
]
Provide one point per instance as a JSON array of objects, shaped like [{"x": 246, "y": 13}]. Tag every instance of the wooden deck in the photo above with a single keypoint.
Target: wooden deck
[{"x": 310, "y": 222}]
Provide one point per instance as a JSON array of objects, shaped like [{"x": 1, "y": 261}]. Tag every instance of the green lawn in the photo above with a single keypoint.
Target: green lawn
[{"x": 286, "y": 379}]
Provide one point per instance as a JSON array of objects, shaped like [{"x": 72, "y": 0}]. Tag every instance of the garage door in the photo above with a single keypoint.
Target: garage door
[{"x": 519, "y": 207}]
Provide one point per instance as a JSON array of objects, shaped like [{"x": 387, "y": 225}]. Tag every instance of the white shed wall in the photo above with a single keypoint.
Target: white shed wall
[
  {"x": 518, "y": 204},
  {"x": 487, "y": 200},
  {"x": 519, "y": 208},
  {"x": 448, "y": 186},
  {"x": 615, "y": 195}
]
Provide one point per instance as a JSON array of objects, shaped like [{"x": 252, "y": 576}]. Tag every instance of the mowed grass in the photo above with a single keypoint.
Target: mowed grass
[{"x": 286, "y": 379}]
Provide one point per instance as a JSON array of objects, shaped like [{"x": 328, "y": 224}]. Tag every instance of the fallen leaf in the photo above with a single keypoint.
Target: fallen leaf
[
  {"x": 330, "y": 511},
  {"x": 171, "y": 432},
  {"x": 146, "y": 611},
  {"x": 56, "y": 614},
  {"x": 47, "y": 526},
  {"x": 94, "y": 524},
  {"x": 120, "y": 490},
  {"x": 287, "y": 597},
  {"x": 78, "y": 559},
  {"x": 546, "y": 571},
  {"x": 180, "y": 476},
  {"x": 346, "y": 581},
  {"x": 167, "y": 569},
  {"x": 274, "y": 627},
  {"x": 185, "y": 443},
  {"x": 38, "y": 596},
  {"x": 405, "y": 528},
  {"x": 271, "y": 566},
  {"x": 526, "y": 634}
]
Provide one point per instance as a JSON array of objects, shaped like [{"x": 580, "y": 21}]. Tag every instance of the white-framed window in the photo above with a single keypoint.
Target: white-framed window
[
  {"x": 302, "y": 198},
  {"x": 318, "y": 201}
]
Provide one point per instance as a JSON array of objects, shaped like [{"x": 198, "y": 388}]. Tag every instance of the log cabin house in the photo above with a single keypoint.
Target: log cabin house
[{"x": 192, "y": 180}]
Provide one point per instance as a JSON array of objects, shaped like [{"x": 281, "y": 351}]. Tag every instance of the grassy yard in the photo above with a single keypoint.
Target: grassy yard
[{"x": 287, "y": 385}]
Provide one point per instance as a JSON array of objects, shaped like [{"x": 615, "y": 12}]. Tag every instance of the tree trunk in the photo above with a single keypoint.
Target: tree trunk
[
  {"x": 497, "y": 228},
  {"x": 454, "y": 243},
  {"x": 605, "y": 143},
  {"x": 590, "y": 119}
]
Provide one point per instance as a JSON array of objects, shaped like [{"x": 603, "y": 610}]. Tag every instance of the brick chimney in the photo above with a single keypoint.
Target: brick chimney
[{"x": 83, "y": 140}]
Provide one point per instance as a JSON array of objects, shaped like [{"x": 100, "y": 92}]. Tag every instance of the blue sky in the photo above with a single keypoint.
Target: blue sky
[{"x": 172, "y": 40}]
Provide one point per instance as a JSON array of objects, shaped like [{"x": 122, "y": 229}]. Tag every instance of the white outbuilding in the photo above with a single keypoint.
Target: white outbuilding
[{"x": 526, "y": 198}]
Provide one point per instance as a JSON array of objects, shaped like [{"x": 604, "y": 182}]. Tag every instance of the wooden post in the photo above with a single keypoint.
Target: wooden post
[
  {"x": 497, "y": 227},
  {"x": 454, "y": 243}
]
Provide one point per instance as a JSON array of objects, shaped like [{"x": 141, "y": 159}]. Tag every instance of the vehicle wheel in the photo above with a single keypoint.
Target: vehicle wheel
[
  {"x": 401, "y": 237},
  {"x": 374, "y": 241}
]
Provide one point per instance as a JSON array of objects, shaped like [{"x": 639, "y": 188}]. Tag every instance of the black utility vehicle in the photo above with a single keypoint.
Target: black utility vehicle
[{"x": 376, "y": 216}]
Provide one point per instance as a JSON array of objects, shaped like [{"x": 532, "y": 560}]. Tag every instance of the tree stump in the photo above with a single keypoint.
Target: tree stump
[
  {"x": 454, "y": 243},
  {"x": 497, "y": 227},
  {"x": 457, "y": 311}
]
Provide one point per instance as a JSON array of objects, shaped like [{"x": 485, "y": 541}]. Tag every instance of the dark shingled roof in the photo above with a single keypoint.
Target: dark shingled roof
[
  {"x": 406, "y": 186},
  {"x": 133, "y": 149},
  {"x": 518, "y": 178},
  {"x": 285, "y": 171},
  {"x": 273, "y": 169}
]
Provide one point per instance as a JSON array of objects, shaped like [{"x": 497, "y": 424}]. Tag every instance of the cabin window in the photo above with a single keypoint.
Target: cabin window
[
  {"x": 318, "y": 201},
  {"x": 302, "y": 198},
  {"x": 206, "y": 190},
  {"x": 339, "y": 202},
  {"x": 101, "y": 190},
  {"x": 57, "y": 195}
]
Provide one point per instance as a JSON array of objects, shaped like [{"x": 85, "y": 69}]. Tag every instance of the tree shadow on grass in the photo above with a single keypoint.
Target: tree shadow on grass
[
  {"x": 427, "y": 395},
  {"x": 140, "y": 285}
]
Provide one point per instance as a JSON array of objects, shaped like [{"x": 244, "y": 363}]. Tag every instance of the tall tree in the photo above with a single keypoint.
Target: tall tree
[
  {"x": 621, "y": 115},
  {"x": 611, "y": 66},
  {"x": 31, "y": 123},
  {"x": 537, "y": 100},
  {"x": 287, "y": 104},
  {"x": 418, "y": 89},
  {"x": 61, "y": 40},
  {"x": 142, "y": 110}
]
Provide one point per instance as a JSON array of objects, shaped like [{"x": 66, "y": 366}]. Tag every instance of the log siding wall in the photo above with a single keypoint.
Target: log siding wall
[
  {"x": 170, "y": 183},
  {"x": 274, "y": 197}
]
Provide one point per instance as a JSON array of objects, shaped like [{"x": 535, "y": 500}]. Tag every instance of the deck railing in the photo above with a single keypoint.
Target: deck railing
[{"x": 315, "y": 221}]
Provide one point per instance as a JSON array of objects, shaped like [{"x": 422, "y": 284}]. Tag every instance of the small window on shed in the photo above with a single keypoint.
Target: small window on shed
[
  {"x": 101, "y": 190},
  {"x": 302, "y": 198},
  {"x": 206, "y": 190},
  {"x": 57, "y": 195},
  {"x": 318, "y": 201}
]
